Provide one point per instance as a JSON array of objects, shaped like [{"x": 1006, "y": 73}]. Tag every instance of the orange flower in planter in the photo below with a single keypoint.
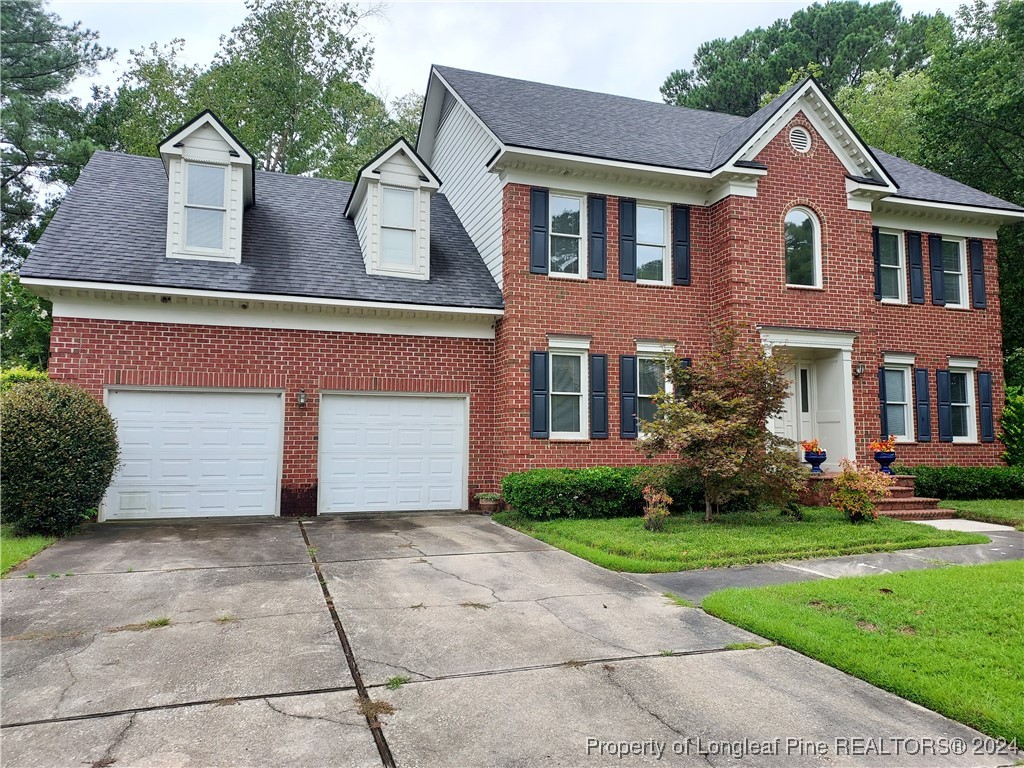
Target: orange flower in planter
[
  {"x": 811, "y": 446},
  {"x": 883, "y": 446}
]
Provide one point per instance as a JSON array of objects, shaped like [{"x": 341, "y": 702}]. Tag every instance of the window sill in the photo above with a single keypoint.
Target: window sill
[
  {"x": 965, "y": 441},
  {"x": 957, "y": 307},
  {"x": 652, "y": 284},
  {"x": 569, "y": 439},
  {"x": 804, "y": 287},
  {"x": 564, "y": 276},
  {"x": 894, "y": 302}
]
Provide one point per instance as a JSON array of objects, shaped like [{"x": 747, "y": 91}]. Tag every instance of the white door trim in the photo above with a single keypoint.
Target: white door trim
[
  {"x": 109, "y": 389},
  {"x": 361, "y": 393}
]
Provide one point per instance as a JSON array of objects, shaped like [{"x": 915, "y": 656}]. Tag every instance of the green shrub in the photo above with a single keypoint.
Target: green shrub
[
  {"x": 965, "y": 483},
  {"x": 596, "y": 491},
  {"x": 58, "y": 451},
  {"x": 18, "y": 375},
  {"x": 1013, "y": 427}
]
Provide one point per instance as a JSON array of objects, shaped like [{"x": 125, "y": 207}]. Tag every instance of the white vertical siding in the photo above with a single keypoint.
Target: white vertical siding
[
  {"x": 363, "y": 230},
  {"x": 461, "y": 151}
]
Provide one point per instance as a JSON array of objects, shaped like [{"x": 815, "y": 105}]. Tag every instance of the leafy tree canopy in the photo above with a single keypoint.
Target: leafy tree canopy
[{"x": 846, "y": 38}]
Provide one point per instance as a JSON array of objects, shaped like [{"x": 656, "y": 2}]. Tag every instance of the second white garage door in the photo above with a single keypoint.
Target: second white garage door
[{"x": 388, "y": 452}]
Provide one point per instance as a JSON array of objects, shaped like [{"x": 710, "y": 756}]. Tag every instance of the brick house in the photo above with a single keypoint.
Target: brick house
[{"x": 498, "y": 297}]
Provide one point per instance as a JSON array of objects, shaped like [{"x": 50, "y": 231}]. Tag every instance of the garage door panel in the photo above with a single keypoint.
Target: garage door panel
[
  {"x": 381, "y": 452},
  {"x": 189, "y": 454}
]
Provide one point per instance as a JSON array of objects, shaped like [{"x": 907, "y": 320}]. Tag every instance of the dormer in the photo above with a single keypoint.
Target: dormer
[
  {"x": 210, "y": 181},
  {"x": 390, "y": 205}
]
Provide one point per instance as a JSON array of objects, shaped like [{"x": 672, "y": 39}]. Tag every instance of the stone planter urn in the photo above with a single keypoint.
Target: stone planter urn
[
  {"x": 885, "y": 459},
  {"x": 815, "y": 459}
]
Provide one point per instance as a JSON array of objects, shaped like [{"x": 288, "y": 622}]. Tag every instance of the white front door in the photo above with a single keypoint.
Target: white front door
[
  {"x": 797, "y": 422},
  {"x": 195, "y": 454},
  {"x": 392, "y": 453}
]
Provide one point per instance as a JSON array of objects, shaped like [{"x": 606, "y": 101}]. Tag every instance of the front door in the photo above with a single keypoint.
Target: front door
[{"x": 796, "y": 422}]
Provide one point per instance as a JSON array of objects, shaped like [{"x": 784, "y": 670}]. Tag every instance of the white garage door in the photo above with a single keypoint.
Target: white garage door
[
  {"x": 382, "y": 453},
  {"x": 195, "y": 454}
]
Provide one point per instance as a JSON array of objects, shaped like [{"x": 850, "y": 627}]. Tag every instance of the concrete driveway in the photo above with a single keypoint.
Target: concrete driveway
[{"x": 253, "y": 644}]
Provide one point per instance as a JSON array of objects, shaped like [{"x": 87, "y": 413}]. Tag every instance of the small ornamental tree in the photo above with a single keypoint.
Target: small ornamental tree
[{"x": 716, "y": 421}]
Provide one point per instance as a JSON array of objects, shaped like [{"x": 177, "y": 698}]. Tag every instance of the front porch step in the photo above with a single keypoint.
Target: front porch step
[{"x": 934, "y": 513}]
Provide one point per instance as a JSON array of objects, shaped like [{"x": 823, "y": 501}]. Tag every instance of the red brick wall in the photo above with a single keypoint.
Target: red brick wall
[
  {"x": 738, "y": 276},
  {"x": 95, "y": 353}
]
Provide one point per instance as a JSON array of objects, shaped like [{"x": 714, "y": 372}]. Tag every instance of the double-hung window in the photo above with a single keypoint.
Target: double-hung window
[
  {"x": 891, "y": 264},
  {"x": 961, "y": 400},
  {"x": 898, "y": 415},
  {"x": 565, "y": 227},
  {"x": 651, "y": 243},
  {"x": 651, "y": 379},
  {"x": 568, "y": 387},
  {"x": 954, "y": 278},
  {"x": 398, "y": 228},
  {"x": 205, "y": 206}
]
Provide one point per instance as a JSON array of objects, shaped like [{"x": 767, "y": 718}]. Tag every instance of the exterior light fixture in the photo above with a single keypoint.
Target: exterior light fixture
[
  {"x": 300, "y": 398},
  {"x": 858, "y": 370}
]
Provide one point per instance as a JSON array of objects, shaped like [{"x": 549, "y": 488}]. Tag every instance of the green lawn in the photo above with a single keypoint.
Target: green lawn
[
  {"x": 999, "y": 511},
  {"x": 15, "y": 549},
  {"x": 950, "y": 639},
  {"x": 622, "y": 544}
]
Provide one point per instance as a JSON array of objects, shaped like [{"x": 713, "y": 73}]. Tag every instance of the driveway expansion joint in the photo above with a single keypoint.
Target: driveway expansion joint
[{"x": 371, "y": 719}]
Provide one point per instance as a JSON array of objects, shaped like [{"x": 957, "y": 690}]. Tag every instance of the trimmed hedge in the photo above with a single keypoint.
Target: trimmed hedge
[
  {"x": 58, "y": 451},
  {"x": 593, "y": 491},
  {"x": 20, "y": 375},
  {"x": 967, "y": 483},
  {"x": 1013, "y": 426}
]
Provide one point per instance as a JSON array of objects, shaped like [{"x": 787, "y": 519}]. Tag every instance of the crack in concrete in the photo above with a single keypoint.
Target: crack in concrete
[
  {"x": 583, "y": 633},
  {"x": 393, "y": 665},
  {"x": 108, "y": 758},
  {"x": 455, "y": 576},
  {"x": 410, "y": 543},
  {"x": 303, "y": 717}
]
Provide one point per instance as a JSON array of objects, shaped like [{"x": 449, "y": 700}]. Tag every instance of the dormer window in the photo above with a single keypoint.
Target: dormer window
[
  {"x": 205, "y": 209},
  {"x": 210, "y": 182},
  {"x": 398, "y": 227},
  {"x": 390, "y": 207}
]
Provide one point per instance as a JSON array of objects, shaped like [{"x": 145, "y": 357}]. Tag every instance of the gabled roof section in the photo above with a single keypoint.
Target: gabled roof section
[
  {"x": 175, "y": 145},
  {"x": 428, "y": 179},
  {"x": 745, "y": 140}
]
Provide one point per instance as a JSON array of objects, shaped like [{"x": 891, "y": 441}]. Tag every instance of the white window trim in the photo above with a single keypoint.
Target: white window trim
[
  {"x": 645, "y": 352},
  {"x": 901, "y": 255},
  {"x": 185, "y": 205},
  {"x": 963, "y": 362},
  {"x": 581, "y": 353},
  {"x": 666, "y": 263},
  {"x": 582, "y": 274},
  {"x": 972, "y": 406},
  {"x": 908, "y": 404},
  {"x": 964, "y": 302},
  {"x": 816, "y": 223}
]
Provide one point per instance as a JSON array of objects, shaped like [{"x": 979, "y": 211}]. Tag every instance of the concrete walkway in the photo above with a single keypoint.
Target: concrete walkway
[
  {"x": 272, "y": 643},
  {"x": 1006, "y": 543}
]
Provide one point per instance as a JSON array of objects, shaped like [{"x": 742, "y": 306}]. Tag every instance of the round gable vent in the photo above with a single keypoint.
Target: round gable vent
[{"x": 800, "y": 139}]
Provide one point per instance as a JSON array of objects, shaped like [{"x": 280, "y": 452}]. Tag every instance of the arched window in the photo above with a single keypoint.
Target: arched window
[{"x": 803, "y": 249}]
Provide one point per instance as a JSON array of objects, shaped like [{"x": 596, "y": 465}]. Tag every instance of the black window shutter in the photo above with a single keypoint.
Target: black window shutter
[
  {"x": 597, "y": 250},
  {"x": 935, "y": 259},
  {"x": 627, "y": 391},
  {"x": 539, "y": 231},
  {"x": 916, "y": 267},
  {"x": 988, "y": 431},
  {"x": 599, "y": 396},
  {"x": 882, "y": 403},
  {"x": 538, "y": 394},
  {"x": 627, "y": 240},
  {"x": 680, "y": 245},
  {"x": 922, "y": 406},
  {"x": 945, "y": 407},
  {"x": 977, "y": 274},
  {"x": 878, "y": 263}
]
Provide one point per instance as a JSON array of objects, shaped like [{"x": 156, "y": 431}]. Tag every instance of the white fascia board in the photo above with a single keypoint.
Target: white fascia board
[
  {"x": 999, "y": 214},
  {"x": 455, "y": 95},
  {"x": 597, "y": 184},
  {"x": 51, "y": 287},
  {"x": 511, "y": 153},
  {"x": 921, "y": 220}
]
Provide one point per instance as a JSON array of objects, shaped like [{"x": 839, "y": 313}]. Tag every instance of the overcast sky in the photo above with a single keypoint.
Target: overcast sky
[{"x": 613, "y": 47}]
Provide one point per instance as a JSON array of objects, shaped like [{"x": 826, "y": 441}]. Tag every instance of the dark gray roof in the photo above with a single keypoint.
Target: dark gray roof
[
  {"x": 917, "y": 183},
  {"x": 571, "y": 121},
  {"x": 111, "y": 228}
]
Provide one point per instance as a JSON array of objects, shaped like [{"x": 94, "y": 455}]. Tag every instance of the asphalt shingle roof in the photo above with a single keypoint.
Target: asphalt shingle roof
[
  {"x": 567, "y": 120},
  {"x": 111, "y": 228}
]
